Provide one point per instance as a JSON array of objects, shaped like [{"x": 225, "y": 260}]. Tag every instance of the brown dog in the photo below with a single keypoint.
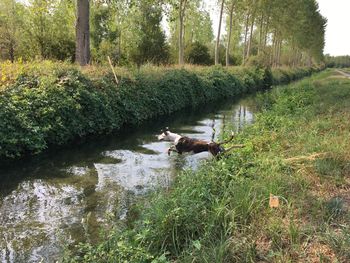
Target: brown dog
[{"x": 186, "y": 144}]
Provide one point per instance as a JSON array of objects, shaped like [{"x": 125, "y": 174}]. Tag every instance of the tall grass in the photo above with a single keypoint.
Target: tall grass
[{"x": 220, "y": 213}]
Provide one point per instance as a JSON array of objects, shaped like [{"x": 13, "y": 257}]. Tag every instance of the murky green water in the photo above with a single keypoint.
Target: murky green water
[{"x": 69, "y": 195}]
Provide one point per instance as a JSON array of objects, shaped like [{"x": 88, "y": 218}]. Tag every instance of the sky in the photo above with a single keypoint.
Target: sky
[
  {"x": 337, "y": 32},
  {"x": 337, "y": 13}
]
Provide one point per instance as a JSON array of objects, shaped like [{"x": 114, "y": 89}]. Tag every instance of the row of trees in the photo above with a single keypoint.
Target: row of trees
[
  {"x": 276, "y": 32},
  {"x": 268, "y": 32},
  {"x": 337, "y": 62}
]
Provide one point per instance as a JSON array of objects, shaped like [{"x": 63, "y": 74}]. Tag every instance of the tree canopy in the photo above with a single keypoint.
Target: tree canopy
[{"x": 266, "y": 32}]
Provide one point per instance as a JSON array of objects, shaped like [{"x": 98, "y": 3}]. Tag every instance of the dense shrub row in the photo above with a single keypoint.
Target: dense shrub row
[
  {"x": 52, "y": 109},
  {"x": 286, "y": 75}
]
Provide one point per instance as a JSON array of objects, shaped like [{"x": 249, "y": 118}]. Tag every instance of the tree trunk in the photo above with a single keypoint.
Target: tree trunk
[
  {"x": 181, "y": 30},
  {"x": 12, "y": 51},
  {"x": 250, "y": 36},
  {"x": 280, "y": 52},
  {"x": 273, "y": 49},
  {"x": 41, "y": 38},
  {"x": 296, "y": 57},
  {"x": 82, "y": 51},
  {"x": 275, "y": 54},
  {"x": 261, "y": 33},
  {"x": 181, "y": 45},
  {"x": 266, "y": 31},
  {"x": 218, "y": 36},
  {"x": 309, "y": 61},
  {"x": 120, "y": 47},
  {"x": 229, "y": 37},
  {"x": 245, "y": 38}
]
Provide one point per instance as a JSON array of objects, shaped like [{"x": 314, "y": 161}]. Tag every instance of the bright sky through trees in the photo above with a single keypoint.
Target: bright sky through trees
[
  {"x": 337, "y": 36},
  {"x": 337, "y": 14},
  {"x": 264, "y": 32}
]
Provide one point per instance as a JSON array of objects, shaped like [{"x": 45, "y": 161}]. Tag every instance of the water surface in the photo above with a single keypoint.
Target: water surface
[{"x": 65, "y": 196}]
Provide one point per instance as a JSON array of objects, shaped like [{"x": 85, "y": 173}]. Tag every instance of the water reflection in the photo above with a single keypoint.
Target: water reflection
[
  {"x": 63, "y": 196},
  {"x": 35, "y": 213}
]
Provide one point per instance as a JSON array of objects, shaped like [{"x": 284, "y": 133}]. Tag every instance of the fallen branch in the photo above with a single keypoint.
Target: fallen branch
[
  {"x": 228, "y": 140},
  {"x": 236, "y": 146},
  {"x": 311, "y": 157},
  {"x": 115, "y": 76}
]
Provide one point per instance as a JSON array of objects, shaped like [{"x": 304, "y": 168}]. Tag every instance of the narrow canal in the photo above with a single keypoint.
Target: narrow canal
[{"x": 70, "y": 195}]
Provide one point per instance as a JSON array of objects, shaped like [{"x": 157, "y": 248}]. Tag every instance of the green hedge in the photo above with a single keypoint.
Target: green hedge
[
  {"x": 286, "y": 75},
  {"x": 39, "y": 111}
]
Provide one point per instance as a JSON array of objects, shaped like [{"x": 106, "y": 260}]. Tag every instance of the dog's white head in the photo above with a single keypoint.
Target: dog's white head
[
  {"x": 167, "y": 135},
  {"x": 164, "y": 136}
]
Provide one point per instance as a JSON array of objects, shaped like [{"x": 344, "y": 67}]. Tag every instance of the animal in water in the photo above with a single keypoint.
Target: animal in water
[{"x": 183, "y": 144}]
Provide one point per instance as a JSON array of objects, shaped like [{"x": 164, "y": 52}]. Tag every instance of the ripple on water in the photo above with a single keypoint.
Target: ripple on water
[
  {"x": 137, "y": 172},
  {"x": 34, "y": 217},
  {"x": 79, "y": 171},
  {"x": 42, "y": 215}
]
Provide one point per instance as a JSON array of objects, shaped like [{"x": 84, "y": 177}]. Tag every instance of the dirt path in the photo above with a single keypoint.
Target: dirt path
[{"x": 343, "y": 73}]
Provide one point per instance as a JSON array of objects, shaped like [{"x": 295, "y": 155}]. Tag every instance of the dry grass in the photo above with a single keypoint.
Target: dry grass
[{"x": 318, "y": 153}]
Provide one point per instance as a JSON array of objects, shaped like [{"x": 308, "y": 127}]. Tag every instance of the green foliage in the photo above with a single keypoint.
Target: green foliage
[
  {"x": 116, "y": 250},
  {"x": 261, "y": 60},
  {"x": 297, "y": 39},
  {"x": 337, "y": 62},
  {"x": 220, "y": 212},
  {"x": 198, "y": 54},
  {"x": 41, "y": 108},
  {"x": 339, "y": 241},
  {"x": 105, "y": 35},
  {"x": 130, "y": 32},
  {"x": 198, "y": 25},
  {"x": 49, "y": 33},
  {"x": 285, "y": 75},
  {"x": 11, "y": 23},
  {"x": 222, "y": 51},
  {"x": 150, "y": 44}
]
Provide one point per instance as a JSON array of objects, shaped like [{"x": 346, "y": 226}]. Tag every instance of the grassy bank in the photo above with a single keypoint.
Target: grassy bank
[
  {"x": 298, "y": 149},
  {"x": 44, "y": 104}
]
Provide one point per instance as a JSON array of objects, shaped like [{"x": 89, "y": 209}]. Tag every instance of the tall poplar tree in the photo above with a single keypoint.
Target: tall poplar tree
[
  {"x": 217, "y": 44},
  {"x": 82, "y": 51}
]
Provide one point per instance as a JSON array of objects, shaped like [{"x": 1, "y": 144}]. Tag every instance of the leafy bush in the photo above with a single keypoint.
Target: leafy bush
[
  {"x": 198, "y": 54},
  {"x": 285, "y": 75},
  {"x": 261, "y": 60},
  {"x": 42, "y": 108}
]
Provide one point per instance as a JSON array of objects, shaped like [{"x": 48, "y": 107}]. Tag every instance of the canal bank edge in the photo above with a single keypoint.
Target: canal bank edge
[
  {"x": 39, "y": 111},
  {"x": 297, "y": 151}
]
